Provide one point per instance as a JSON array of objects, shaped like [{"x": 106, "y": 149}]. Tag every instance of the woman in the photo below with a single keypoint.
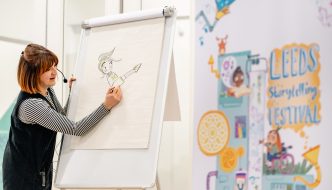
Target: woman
[{"x": 37, "y": 117}]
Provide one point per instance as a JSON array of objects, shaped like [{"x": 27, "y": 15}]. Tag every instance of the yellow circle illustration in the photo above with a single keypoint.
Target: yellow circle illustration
[
  {"x": 213, "y": 132},
  {"x": 228, "y": 159}
]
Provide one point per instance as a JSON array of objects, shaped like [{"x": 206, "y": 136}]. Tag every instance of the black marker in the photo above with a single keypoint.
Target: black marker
[{"x": 112, "y": 89}]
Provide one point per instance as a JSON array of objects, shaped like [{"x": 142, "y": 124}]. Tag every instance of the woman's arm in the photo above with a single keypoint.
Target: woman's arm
[
  {"x": 38, "y": 111},
  {"x": 64, "y": 109}
]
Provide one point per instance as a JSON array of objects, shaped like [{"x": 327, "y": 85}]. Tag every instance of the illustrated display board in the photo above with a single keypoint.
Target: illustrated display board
[
  {"x": 277, "y": 136},
  {"x": 233, "y": 100},
  {"x": 132, "y": 50}
]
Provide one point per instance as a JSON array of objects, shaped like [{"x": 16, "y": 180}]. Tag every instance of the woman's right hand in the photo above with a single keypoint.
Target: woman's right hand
[{"x": 113, "y": 97}]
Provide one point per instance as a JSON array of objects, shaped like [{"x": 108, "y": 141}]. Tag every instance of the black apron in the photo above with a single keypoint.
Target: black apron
[{"x": 28, "y": 156}]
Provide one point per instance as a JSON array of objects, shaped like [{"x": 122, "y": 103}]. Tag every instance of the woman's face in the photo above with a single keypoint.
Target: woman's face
[
  {"x": 48, "y": 78},
  {"x": 272, "y": 137}
]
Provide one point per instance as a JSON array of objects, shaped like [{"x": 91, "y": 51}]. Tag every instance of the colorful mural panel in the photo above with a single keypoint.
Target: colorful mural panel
[{"x": 274, "y": 101}]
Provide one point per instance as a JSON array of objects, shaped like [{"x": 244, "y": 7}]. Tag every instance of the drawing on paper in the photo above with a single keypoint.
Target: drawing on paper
[{"x": 105, "y": 66}]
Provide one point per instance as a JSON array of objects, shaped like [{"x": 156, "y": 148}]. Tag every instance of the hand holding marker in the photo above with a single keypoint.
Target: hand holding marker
[{"x": 113, "y": 97}]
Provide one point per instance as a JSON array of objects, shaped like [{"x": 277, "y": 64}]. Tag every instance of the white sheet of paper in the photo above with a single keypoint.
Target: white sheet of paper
[{"x": 129, "y": 123}]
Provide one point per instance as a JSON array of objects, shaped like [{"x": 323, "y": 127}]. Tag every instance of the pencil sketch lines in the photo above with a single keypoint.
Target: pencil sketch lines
[{"x": 105, "y": 66}]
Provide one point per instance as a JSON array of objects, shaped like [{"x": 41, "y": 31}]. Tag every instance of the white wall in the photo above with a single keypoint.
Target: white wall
[
  {"x": 13, "y": 39},
  {"x": 29, "y": 17}
]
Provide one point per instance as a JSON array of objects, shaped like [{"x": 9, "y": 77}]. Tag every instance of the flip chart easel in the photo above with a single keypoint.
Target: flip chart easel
[{"x": 124, "y": 168}]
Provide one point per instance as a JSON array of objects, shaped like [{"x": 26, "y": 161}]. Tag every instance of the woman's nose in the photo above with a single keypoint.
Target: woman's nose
[{"x": 54, "y": 69}]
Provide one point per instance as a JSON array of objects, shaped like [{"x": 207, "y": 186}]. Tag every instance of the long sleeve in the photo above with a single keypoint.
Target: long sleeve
[
  {"x": 56, "y": 102},
  {"x": 38, "y": 111}
]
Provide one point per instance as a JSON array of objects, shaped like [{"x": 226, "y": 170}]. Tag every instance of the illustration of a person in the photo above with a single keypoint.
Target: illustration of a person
[
  {"x": 273, "y": 145},
  {"x": 238, "y": 89},
  {"x": 105, "y": 66},
  {"x": 238, "y": 77},
  {"x": 240, "y": 181}
]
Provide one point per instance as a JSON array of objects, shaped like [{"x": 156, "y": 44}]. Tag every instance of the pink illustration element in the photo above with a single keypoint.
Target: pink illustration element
[
  {"x": 325, "y": 17},
  {"x": 285, "y": 163},
  {"x": 226, "y": 65}
]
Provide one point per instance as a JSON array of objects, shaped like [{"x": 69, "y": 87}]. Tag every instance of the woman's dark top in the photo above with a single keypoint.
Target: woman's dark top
[{"x": 28, "y": 156}]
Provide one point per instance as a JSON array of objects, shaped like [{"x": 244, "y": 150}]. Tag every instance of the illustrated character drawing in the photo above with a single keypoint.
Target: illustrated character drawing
[
  {"x": 240, "y": 181},
  {"x": 105, "y": 66},
  {"x": 273, "y": 145},
  {"x": 222, "y": 44},
  {"x": 277, "y": 156},
  {"x": 238, "y": 88}
]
